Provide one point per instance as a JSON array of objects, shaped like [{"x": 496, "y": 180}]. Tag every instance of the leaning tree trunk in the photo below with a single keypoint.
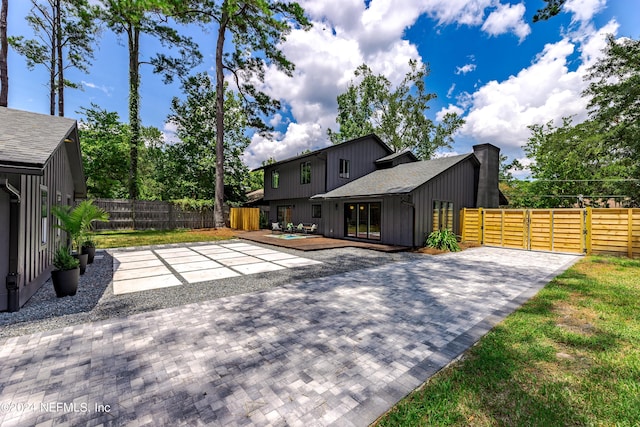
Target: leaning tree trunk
[
  {"x": 134, "y": 108},
  {"x": 218, "y": 210},
  {"x": 4, "y": 51}
]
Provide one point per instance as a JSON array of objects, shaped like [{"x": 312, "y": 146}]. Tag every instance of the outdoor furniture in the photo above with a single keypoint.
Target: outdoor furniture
[
  {"x": 313, "y": 228},
  {"x": 290, "y": 227},
  {"x": 300, "y": 228},
  {"x": 275, "y": 226}
]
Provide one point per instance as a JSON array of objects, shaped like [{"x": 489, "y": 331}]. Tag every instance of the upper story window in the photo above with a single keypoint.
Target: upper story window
[
  {"x": 275, "y": 179},
  {"x": 305, "y": 173},
  {"x": 345, "y": 167}
]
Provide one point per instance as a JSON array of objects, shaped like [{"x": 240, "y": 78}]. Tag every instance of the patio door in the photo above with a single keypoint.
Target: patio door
[
  {"x": 285, "y": 214},
  {"x": 362, "y": 220}
]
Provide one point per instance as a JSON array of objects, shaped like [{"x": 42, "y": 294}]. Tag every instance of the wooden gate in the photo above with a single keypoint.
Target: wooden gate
[{"x": 556, "y": 230}]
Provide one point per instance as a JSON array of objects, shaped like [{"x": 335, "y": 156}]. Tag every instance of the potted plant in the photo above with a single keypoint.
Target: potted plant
[
  {"x": 77, "y": 222},
  {"x": 89, "y": 248},
  {"x": 66, "y": 275}
]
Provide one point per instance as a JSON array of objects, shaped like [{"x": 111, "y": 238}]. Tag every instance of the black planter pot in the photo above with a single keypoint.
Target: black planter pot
[
  {"x": 83, "y": 258},
  {"x": 91, "y": 251},
  {"x": 65, "y": 282}
]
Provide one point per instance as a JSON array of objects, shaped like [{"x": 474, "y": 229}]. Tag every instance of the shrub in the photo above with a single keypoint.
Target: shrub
[
  {"x": 62, "y": 259},
  {"x": 444, "y": 240}
]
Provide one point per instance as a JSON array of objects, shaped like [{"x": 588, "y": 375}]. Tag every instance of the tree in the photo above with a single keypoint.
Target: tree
[
  {"x": 195, "y": 118},
  {"x": 552, "y": 8},
  {"x": 396, "y": 115},
  {"x": 4, "y": 52},
  {"x": 104, "y": 141},
  {"x": 257, "y": 29},
  {"x": 144, "y": 17},
  {"x": 65, "y": 33}
]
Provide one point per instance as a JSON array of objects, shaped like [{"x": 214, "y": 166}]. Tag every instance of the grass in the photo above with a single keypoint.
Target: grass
[
  {"x": 570, "y": 356},
  {"x": 124, "y": 238}
]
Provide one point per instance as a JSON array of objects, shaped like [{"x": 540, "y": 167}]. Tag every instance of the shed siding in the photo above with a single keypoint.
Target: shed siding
[
  {"x": 35, "y": 258},
  {"x": 456, "y": 185},
  {"x": 4, "y": 245}
]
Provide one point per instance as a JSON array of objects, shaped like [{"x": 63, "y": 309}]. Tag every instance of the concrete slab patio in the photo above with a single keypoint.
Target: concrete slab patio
[{"x": 338, "y": 350}]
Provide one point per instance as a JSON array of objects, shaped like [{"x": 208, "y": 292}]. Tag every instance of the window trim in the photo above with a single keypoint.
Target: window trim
[
  {"x": 305, "y": 172},
  {"x": 344, "y": 168}
]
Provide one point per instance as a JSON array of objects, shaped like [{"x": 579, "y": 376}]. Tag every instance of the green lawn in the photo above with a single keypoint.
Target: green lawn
[
  {"x": 570, "y": 356},
  {"x": 124, "y": 238}
]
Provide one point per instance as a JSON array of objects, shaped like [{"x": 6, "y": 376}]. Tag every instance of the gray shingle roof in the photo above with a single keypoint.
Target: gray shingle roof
[
  {"x": 30, "y": 138},
  {"x": 401, "y": 179}
]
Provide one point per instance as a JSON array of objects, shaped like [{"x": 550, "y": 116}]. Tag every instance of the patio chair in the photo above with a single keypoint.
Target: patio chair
[
  {"x": 275, "y": 226},
  {"x": 300, "y": 228},
  {"x": 313, "y": 228}
]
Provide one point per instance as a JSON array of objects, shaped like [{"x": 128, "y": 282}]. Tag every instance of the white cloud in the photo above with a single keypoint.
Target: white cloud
[
  {"x": 501, "y": 111},
  {"x": 584, "y": 10},
  {"x": 507, "y": 18},
  {"x": 169, "y": 135},
  {"x": 450, "y": 109},
  {"x": 467, "y": 68},
  {"x": 105, "y": 89}
]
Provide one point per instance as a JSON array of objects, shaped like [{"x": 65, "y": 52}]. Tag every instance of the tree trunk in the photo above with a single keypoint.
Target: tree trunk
[
  {"x": 52, "y": 66},
  {"x": 58, "y": 44},
  {"x": 4, "y": 72},
  {"x": 134, "y": 107},
  {"x": 218, "y": 210}
]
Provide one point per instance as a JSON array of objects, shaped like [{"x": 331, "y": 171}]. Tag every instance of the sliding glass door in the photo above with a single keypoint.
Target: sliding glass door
[{"x": 362, "y": 220}]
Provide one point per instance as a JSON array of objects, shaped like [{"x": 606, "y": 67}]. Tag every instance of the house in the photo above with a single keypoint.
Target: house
[
  {"x": 40, "y": 166},
  {"x": 362, "y": 190}
]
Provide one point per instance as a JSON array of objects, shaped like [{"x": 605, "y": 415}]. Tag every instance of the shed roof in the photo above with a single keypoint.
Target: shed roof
[
  {"x": 28, "y": 140},
  {"x": 401, "y": 179}
]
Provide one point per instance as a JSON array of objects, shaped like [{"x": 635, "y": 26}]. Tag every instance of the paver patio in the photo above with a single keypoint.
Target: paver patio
[{"x": 338, "y": 350}]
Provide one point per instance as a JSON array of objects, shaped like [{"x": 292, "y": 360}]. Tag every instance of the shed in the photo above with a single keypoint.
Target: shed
[{"x": 40, "y": 166}]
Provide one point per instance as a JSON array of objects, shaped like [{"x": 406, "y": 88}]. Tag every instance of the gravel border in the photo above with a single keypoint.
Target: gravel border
[{"x": 95, "y": 299}]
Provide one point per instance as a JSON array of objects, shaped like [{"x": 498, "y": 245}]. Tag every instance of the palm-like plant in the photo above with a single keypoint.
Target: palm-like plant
[{"x": 78, "y": 221}]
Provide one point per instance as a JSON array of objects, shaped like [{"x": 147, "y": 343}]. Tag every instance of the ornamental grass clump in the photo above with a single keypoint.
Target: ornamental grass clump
[{"x": 444, "y": 240}]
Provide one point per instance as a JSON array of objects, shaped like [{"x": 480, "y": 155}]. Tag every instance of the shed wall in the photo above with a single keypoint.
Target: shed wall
[
  {"x": 362, "y": 157},
  {"x": 4, "y": 246}
]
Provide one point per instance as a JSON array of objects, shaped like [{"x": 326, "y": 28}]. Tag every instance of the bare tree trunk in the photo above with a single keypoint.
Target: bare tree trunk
[
  {"x": 53, "y": 63},
  {"x": 58, "y": 43},
  {"x": 218, "y": 210},
  {"x": 134, "y": 107},
  {"x": 4, "y": 51}
]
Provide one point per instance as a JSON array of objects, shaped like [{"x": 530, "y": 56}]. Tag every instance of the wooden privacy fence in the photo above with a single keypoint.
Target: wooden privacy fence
[
  {"x": 588, "y": 230},
  {"x": 246, "y": 219},
  {"x": 147, "y": 214}
]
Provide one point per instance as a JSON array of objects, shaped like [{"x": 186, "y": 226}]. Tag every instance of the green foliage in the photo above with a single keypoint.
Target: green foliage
[
  {"x": 63, "y": 260},
  {"x": 193, "y": 158},
  {"x": 598, "y": 158},
  {"x": 78, "y": 221},
  {"x": 134, "y": 19},
  {"x": 444, "y": 239},
  {"x": 552, "y": 8},
  {"x": 396, "y": 115}
]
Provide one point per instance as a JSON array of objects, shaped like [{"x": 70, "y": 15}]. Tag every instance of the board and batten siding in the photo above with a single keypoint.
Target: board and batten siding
[
  {"x": 456, "y": 185},
  {"x": 361, "y": 155},
  {"x": 34, "y": 257},
  {"x": 289, "y": 179},
  {"x": 4, "y": 245}
]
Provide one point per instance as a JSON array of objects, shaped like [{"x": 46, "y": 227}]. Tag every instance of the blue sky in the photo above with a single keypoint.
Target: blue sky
[{"x": 488, "y": 62}]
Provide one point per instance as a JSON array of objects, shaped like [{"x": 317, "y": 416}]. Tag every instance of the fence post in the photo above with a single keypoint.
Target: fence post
[
  {"x": 481, "y": 225},
  {"x": 587, "y": 230},
  {"x": 630, "y": 233},
  {"x": 462, "y": 225}
]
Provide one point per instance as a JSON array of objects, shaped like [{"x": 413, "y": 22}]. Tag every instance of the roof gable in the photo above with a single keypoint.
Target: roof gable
[
  {"x": 29, "y": 139},
  {"x": 372, "y": 136},
  {"x": 401, "y": 179}
]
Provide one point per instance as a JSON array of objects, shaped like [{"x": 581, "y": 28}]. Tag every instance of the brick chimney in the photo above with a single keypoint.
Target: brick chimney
[{"x": 488, "y": 195}]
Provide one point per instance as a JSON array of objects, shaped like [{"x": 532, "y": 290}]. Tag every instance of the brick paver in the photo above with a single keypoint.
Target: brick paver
[{"x": 337, "y": 350}]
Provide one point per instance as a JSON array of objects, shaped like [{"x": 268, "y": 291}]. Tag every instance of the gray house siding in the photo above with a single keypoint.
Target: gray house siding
[
  {"x": 456, "y": 185},
  {"x": 289, "y": 179},
  {"x": 301, "y": 211},
  {"x": 325, "y": 167},
  {"x": 4, "y": 244},
  {"x": 361, "y": 156}
]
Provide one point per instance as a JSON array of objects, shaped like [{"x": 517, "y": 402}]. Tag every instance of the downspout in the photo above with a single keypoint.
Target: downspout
[{"x": 12, "y": 280}]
